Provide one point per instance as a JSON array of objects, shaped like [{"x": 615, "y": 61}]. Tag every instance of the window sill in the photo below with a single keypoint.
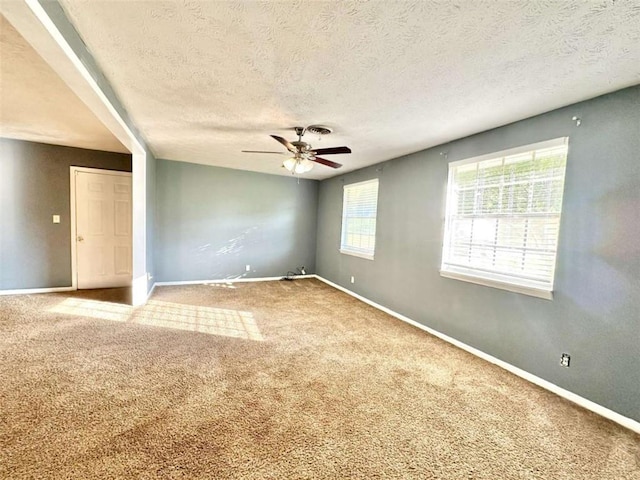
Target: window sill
[
  {"x": 356, "y": 254},
  {"x": 487, "y": 282}
]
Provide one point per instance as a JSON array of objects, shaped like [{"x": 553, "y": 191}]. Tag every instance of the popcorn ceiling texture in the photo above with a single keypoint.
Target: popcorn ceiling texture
[
  {"x": 204, "y": 80},
  {"x": 36, "y": 105}
]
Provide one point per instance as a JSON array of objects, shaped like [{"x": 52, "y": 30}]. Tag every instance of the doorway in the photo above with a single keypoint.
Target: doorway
[{"x": 101, "y": 228}]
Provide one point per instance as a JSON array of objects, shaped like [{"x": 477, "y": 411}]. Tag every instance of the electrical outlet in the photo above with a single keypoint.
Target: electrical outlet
[
  {"x": 303, "y": 271},
  {"x": 56, "y": 219},
  {"x": 248, "y": 268},
  {"x": 353, "y": 279},
  {"x": 565, "y": 359}
]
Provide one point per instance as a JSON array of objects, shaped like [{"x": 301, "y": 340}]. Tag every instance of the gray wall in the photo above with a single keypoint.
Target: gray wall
[
  {"x": 34, "y": 185},
  {"x": 595, "y": 313},
  {"x": 212, "y": 221}
]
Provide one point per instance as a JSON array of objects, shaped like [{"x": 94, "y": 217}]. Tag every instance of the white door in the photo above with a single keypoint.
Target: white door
[{"x": 103, "y": 229}]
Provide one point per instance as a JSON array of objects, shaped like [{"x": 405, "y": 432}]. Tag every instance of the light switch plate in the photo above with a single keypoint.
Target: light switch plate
[{"x": 56, "y": 219}]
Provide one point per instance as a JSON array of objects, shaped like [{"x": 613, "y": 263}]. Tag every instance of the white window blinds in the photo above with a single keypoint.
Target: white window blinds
[
  {"x": 359, "y": 211},
  {"x": 503, "y": 217}
]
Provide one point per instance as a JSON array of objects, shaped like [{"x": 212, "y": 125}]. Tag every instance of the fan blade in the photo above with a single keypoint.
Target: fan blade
[
  {"x": 326, "y": 162},
  {"x": 286, "y": 143},
  {"x": 262, "y": 151},
  {"x": 332, "y": 151}
]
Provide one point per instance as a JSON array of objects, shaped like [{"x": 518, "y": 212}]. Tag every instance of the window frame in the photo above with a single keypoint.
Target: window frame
[
  {"x": 345, "y": 249},
  {"x": 495, "y": 279}
]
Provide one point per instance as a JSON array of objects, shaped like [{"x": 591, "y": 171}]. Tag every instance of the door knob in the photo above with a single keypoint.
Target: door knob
[{"x": 80, "y": 238}]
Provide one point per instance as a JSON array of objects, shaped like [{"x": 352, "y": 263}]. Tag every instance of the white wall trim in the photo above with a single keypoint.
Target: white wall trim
[
  {"x": 572, "y": 397},
  {"x": 346, "y": 251},
  {"x": 30, "y": 291},
  {"x": 488, "y": 282},
  {"x": 139, "y": 228},
  {"x": 153, "y": 287},
  {"x": 100, "y": 171},
  {"x": 229, "y": 280},
  {"x": 72, "y": 222},
  {"x": 553, "y": 142}
]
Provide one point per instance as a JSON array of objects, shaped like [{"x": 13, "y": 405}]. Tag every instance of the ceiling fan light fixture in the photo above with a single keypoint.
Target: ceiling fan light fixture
[
  {"x": 305, "y": 165},
  {"x": 297, "y": 165},
  {"x": 289, "y": 164}
]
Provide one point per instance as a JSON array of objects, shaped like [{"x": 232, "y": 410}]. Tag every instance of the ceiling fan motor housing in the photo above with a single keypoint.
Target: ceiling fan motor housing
[{"x": 301, "y": 146}]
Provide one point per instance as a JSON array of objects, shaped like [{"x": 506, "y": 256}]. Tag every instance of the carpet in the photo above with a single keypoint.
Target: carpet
[{"x": 273, "y": 380}]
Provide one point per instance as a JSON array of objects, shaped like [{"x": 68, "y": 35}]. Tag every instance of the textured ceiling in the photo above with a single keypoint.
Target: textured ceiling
[
  {"x": 205, "y": 80},
  {"x": 36, "y": 105}
]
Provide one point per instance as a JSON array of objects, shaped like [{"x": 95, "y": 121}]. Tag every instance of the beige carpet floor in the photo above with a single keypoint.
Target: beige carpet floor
[{"x": 272, "y": 380}]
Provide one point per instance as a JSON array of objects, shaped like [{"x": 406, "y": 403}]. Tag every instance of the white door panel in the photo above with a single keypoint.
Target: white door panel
[{"x": 103, "y": 230}]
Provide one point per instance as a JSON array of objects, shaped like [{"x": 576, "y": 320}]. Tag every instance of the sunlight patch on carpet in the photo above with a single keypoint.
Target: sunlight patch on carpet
[
  {"x": 221, "y": 285},
  {"x": 177, "y": 316},
  {"x": 94, "y": 309},
  {"x": 214, "y": 321}
]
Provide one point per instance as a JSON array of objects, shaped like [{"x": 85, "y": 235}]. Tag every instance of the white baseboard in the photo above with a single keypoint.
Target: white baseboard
[
  {"x": 139, "y": 290},
  {"x": 153, "y": 287},
  {"x": 29, "y": 291},
  {"x": 577, "y": 399},
  {"x": 229, "y": 280}
]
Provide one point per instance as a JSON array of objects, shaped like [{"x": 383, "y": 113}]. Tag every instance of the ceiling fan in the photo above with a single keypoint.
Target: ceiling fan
[{"x": 303, "y": 155}]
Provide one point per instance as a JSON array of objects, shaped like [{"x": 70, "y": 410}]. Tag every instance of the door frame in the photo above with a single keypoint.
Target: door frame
[{"x": 73, "y": 213}]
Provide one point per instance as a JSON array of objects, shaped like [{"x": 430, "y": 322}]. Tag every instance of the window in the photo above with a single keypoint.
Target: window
[
  {"x": 359, "y": 210},
  {"x": 503, "y": 217}
]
